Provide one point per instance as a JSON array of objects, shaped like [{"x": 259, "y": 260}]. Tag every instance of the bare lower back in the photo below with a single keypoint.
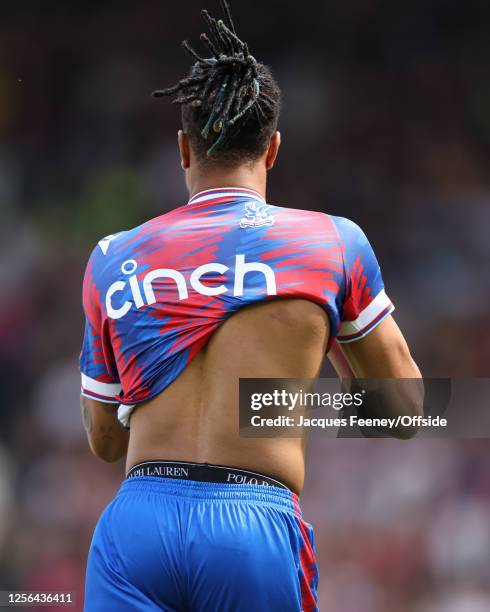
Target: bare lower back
[{"x": 196, "y": 418}]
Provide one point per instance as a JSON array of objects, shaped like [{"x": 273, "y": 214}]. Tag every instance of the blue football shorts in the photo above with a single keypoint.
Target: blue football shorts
[{"x": 194, "y": 537}]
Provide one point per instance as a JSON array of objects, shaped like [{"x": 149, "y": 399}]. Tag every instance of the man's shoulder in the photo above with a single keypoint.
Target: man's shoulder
[
  {"x": 104, "y": 244},
  {"x": 344, "y": 227},
  {"x": 349, "y": 231},
  {"x": 106, "y": 250},
  {"x": 114, "y": 244},
  {"x": 105, "y": 247},
  {"x": 302, "y": 214}
]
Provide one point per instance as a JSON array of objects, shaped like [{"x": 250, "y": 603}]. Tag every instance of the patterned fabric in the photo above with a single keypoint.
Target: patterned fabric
[{"x": 154, "y": 295}]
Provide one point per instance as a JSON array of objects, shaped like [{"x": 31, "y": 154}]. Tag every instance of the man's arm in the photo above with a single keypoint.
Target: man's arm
[
  {"x": 384, "y": 354},
  {"x": 100, "y": 382},
  {"x": 107, "y": 438}
]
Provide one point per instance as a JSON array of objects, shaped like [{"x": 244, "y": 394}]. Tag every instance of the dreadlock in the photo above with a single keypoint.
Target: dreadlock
[{"x": 230, "y": 102}]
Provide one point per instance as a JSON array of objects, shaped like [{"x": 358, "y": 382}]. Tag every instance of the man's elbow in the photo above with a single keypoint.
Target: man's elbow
[
  {"x": 411, "y": 400},
  {"x": 106, "y": 452},
  {"x": 397, "y": 404},
  {"x": 405, "y": 432}
]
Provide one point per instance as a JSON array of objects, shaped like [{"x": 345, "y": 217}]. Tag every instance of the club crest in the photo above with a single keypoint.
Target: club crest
[{"x": 256, "y": 214}]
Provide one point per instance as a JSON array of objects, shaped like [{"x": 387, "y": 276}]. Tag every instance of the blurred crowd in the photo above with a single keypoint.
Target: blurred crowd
[{"x": 386, "y": 120}]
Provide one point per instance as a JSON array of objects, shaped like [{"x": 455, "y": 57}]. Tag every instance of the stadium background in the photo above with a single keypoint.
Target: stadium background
[{"x": 386, "y": 120}]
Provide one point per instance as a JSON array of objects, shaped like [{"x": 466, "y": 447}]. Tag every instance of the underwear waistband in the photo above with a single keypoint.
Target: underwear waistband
[{"x": 202, "y": 472}]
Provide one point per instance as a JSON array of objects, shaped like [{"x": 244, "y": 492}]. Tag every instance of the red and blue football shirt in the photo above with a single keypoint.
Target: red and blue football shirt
[{"x": 154, "y": 295}]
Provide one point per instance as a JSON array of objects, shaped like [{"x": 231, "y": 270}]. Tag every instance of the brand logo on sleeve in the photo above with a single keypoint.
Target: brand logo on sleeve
[
  {"x": 143, "y": 294},
  {"x": 105, "y": 242}
]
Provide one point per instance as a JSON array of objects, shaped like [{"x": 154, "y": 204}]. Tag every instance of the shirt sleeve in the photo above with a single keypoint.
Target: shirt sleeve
[
  {"x": 98, "y": 369},
  {"x": 365, "y": 302}
]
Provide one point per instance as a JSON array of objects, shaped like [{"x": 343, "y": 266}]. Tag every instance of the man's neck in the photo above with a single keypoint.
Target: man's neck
[{"x": 233, "y": 177}]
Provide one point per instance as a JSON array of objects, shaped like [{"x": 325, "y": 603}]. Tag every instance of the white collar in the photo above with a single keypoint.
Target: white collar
[{"x": 225, "y": 192}]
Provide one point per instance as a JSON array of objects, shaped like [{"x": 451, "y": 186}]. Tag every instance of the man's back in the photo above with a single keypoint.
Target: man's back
[
  {"x": 196, "y": 417},
  {"x": 182, "y": 307},
  {"x": 186, "y": 304}
]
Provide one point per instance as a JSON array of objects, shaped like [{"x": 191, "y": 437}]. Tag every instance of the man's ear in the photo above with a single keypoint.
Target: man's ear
[
  {"x": 184, "y": 150},
  {"x": 273, "y": 150}
]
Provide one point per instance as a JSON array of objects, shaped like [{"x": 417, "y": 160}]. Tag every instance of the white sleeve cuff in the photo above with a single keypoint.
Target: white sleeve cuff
[
  {"x": 104, "y": 392},
  {"x": 367, "y": 320}
]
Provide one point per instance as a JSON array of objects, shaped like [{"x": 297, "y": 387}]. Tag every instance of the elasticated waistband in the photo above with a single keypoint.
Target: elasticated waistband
[
  {"x": 213, "y": 492},
  {"x": 202, "y": 472}
]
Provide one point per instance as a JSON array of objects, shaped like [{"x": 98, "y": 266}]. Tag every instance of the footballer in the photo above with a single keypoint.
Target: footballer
[{"x": 226, "y": 285}]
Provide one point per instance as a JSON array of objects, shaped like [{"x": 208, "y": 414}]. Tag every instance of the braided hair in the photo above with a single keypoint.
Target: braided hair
[{"x": 230, "y": 103}]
